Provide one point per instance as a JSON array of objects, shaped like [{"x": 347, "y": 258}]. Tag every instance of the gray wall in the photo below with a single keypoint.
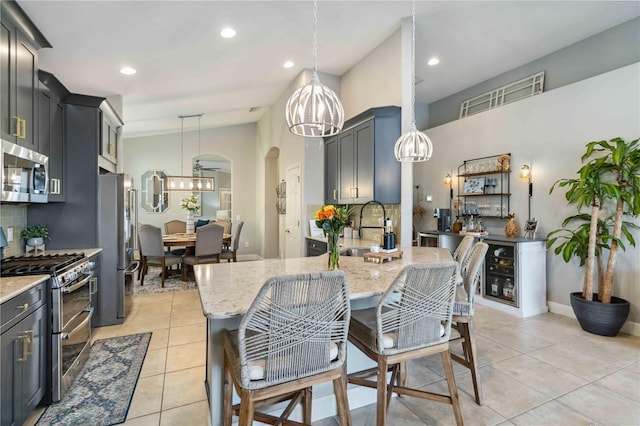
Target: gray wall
[
  {"x": 549, "y": 132},
  {"x": 609, "y": 50}
]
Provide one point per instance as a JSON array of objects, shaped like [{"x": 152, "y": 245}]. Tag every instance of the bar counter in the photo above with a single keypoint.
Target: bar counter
[{"x": 228, "y": 289}]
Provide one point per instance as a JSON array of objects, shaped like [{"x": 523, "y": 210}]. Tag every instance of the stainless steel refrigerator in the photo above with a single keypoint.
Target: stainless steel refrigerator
[{"x": 117, "y": 237}]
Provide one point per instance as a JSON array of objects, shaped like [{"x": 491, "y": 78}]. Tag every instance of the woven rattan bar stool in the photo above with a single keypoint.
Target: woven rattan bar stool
[
  {"x": 463, "y": 315},
  {"x": 461, "y": 254},
  {"x": 293, "y": 336},
  {"x": 411, "y": 320}
]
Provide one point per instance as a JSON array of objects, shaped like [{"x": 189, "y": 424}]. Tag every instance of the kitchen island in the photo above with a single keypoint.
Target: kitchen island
[{"x": 228, "y": 289}]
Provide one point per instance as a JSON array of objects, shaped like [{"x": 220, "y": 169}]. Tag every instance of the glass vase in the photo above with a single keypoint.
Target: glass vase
[
  {"x": 190, "y": 228},
  {"x": 333, "y": 238}
]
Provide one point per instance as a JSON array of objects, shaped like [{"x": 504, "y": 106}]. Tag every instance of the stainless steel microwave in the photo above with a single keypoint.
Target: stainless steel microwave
[{"x": 25, "y": 174}]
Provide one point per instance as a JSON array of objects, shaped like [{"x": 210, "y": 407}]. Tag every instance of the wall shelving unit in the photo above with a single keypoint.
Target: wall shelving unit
[{"x": 484, "y": 187}]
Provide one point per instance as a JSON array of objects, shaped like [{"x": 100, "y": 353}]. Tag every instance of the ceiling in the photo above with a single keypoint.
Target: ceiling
[{"x": 185, "y": 67}]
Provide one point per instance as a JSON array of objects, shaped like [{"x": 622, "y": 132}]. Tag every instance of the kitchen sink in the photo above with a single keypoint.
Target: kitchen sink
[{"x": 355, "y": 251}]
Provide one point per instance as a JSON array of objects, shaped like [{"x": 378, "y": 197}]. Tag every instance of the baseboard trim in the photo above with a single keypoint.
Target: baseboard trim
[
  {"x": 560, "y": 309},
  {"x": 629, "y": 327}
]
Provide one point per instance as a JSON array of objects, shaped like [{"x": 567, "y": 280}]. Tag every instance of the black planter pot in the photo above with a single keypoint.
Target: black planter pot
[{"x": 605, "y": 319}]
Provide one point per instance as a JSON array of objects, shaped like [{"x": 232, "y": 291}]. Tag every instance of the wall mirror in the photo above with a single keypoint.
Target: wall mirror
[
  {"x": 215, "y": 204},
  {"x": 154, "y": 197}
]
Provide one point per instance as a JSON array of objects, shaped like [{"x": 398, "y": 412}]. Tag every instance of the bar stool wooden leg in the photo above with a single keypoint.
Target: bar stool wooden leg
[
  {"x": 342, "y": 402},
  {"x": 451, "y": 382},
  {"x": 228, "y": 394},
  {"x": 307, "y": 400},
  {"x": 381, "y": 405},
  {"x": 473, "y": 360},
  {"x": 247, "y": 408}
]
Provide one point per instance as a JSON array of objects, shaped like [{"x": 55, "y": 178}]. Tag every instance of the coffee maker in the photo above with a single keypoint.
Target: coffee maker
[{"x": 444, "y": 218}]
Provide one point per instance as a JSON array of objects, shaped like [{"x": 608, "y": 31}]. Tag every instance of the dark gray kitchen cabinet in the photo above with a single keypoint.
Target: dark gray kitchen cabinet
[
  {"x": 331, "y": 170},
  {"x": 315, "y": 247},
  {"x": 366, "y": 166},
  {"x": 20, "y": 41},
  {"x": 51, "y": 133},
  {"x": 74, "y": 222},
  {"x": 22, "y": 350}
]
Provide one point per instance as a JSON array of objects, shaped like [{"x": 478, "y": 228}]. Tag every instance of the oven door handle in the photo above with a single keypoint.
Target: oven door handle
[
  {"x": 74, "y": 287},
  {"x": 67, "y": 336}
]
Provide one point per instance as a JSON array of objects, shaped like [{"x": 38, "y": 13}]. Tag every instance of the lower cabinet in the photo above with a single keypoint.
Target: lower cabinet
[
  {"x": 22, "y": 375},
  {"x": 515, "y": 277},
  {"x": 315, "y": 247}
]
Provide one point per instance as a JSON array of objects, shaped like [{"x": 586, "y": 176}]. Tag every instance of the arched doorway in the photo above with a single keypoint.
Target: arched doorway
[{"x": 272, "y": 219}]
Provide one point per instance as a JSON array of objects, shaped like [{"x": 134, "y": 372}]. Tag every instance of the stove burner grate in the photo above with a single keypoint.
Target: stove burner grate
[{"x": 39, "y": 264}]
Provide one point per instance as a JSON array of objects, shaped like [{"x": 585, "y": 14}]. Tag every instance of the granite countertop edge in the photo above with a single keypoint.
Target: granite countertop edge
[{"x": 490, "y": 237}]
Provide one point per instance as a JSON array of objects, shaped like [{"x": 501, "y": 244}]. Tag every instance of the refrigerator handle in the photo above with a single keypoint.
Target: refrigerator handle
[{"x": 133, "y": 202}]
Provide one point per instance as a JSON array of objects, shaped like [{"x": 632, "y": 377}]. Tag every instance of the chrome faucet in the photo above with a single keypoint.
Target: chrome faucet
[{"x": 384, "y": 216}]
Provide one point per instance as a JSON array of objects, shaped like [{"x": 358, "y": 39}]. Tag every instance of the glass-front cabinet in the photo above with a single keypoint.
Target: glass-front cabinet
[{"x": 501, "y": 280}]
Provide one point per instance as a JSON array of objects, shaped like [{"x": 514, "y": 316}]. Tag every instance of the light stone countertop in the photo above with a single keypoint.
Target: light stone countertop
[
  {"x": 228, "y": 289},
  {"x": 12, "y": 286}
]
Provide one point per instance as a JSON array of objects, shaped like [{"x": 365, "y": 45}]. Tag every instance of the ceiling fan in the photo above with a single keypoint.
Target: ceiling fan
[{"x": 199, "y": 167}]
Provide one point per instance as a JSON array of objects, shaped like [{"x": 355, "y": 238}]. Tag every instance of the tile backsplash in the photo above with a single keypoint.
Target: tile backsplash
[
  {"x": 372, "y": 216},
  {"x": 13, "y": 216}
]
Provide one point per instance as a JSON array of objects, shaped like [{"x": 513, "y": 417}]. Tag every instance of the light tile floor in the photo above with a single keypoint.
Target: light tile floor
[{"x": 542, "y": 370}]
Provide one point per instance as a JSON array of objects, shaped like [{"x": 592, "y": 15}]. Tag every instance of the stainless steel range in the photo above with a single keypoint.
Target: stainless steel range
[{"x": 70, "y": 288}]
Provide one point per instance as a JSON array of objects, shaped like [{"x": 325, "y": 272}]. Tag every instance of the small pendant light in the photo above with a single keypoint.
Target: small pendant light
[
  {"x": 314, "y": 110},
  {"x": 413, "y": 146}
]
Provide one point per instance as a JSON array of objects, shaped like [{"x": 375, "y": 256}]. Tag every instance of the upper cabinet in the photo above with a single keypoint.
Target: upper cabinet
[
  {"x": 111, "y": 126},
  {"x": 94, "y": 127},
  {"x": 51, "y": 132},
  {"x": 360, "y": 165},
  {"x": 20, "y": 41}
]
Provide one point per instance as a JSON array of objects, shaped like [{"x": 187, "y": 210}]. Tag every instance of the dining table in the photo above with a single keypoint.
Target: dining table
[{"x": 188, "y": 239}]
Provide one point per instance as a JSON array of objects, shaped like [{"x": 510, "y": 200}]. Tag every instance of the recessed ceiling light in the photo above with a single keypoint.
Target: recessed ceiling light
[
  {"x": 433, "y": 61},
  {"x": 127, "y": 71},
  {"x": 288, "y": 64},
  {"x": 228, "y": 33}
]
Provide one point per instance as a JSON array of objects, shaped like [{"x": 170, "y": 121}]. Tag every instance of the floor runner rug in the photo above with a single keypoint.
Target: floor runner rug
[{"x": 102, "y": 392}]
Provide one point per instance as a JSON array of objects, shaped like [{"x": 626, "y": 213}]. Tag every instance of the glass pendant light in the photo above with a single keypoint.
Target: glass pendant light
[
  {"x": 413, "y": 146},
  {"x": 314, "y": 110},
  {"x": 188, "y": 183}
]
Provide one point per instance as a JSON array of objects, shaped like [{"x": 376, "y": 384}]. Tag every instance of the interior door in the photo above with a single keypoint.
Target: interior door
[{"x": 292, "y": 224}]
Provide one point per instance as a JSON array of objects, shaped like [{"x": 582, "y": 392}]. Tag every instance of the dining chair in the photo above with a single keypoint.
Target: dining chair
[
  {"x": 411, "y": 320},
  {"x": 229, "y": 253},
  {"x": 208, "y": 247},
  {"x": 462, "y": 319},
  {"x": 225, "y": 224},
  {"x": 152, "y": 252},
  {"x": 293, "y": 336},
  {"x": 175, "y": 227}
]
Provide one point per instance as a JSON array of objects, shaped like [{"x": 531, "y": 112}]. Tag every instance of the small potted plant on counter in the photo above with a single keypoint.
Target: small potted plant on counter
[
  {"x": 35, "y": 235},
  {"x": 610, "y": 174}
]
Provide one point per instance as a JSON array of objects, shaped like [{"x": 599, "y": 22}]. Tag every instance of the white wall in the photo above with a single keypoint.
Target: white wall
[
  {"x": 308, "y": 152},
  {"x": 549, "y": 131},
  {"x": 376, "y": 80},
  {"x": 162, "y": 152}
]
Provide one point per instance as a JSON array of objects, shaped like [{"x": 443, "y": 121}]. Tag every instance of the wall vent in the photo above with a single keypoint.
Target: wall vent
[{"x": 527, "y": 87}]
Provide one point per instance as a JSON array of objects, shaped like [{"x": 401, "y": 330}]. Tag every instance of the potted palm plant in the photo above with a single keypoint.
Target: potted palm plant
[{"x": 610, "y": 174}]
